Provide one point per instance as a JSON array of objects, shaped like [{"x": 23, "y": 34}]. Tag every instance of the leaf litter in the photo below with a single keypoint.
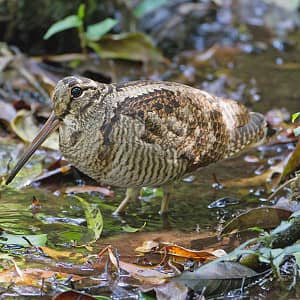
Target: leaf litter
[{"x": 174, "y": 266}]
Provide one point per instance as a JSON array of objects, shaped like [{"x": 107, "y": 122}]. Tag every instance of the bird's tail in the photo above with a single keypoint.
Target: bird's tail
[{"x": 252, "y": 134}]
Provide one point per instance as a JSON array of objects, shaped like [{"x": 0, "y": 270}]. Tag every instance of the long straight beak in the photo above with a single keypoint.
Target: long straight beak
[{"x": 51, "y": 124}]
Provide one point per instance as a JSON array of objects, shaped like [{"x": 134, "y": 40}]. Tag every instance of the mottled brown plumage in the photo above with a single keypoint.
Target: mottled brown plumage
[{"x": 148, "y": 133}]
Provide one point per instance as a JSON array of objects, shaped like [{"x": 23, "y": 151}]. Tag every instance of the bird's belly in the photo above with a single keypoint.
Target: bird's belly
[
  {"x": 135, "y": 165},
  {"x": 129, "y": 165},
  {"x": 123, "y": 161}
]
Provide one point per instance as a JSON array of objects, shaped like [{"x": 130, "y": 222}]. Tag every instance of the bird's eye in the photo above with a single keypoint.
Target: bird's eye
[{"x": 76, "y": 91}]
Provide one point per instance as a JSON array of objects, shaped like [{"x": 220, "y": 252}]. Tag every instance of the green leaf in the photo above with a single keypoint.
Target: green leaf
[
  {"x": 81, "y": 12},
  {"x": 128, "y": 228},
  {"x": 72, "y": 21},
  {"x": 96, "y": 31},
  {"x": 13, "y": 239},
  {"x": 134, "y": 46},
  {"x": 93, "y": 217},
  {"x": 147, "y": 6},
  {"x": 295, "y": 116}
]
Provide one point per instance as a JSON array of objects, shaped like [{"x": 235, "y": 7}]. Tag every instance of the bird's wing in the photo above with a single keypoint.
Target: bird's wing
[{"x": 178, "y": 117}]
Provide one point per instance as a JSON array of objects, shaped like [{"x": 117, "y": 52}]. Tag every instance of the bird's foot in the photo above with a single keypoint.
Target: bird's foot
[{"x": 132, "y": 194}]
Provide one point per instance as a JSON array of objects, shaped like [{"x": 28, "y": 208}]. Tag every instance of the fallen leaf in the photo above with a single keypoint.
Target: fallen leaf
[
  {"x": 94, "y": 218},
  {"x": 128, "y": 228},
  {"x": 174, "y": 250},
  {"x": 217, "y": 277},
  {"x": 171, "y": 291},
  {"x": 88, "y": 189},
  {"x": 32, "y": 276},
  {"x": 25, "y": 127},
  {"x": 147, "y": 275},
  {"x": 23, "y": 240},
  {"x": 58, "y": 254},
  {"x": 74, "y": 295},
  {"x": 263, "y": 217},
  {"x": 261, "y": 179}
]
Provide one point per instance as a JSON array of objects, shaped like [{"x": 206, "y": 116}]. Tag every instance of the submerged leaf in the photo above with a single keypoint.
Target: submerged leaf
[
  {"x": 93, "y": 217},
  {"x": 59, "y": 254},
  {"x": 69, "y": 22},
  {"x": 128, "y": 228},
  {"x": 23, "y": 240},
  {"x": 96, "y": 31},
  {"x": 134, "y": 46},
  {"x": 88, "y": 189},
  {"x": 25, "y": 128}
]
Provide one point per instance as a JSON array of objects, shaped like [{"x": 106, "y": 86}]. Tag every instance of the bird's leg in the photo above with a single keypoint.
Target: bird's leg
[
  {"x": 164, "y": 208},
  {"x": 132, "y": 194}
]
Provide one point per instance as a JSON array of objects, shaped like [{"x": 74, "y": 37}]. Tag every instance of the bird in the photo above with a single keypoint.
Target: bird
[{"x": 144, "y": 133}]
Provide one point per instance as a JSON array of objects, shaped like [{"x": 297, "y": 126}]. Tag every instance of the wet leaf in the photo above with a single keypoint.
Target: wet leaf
[
  {"x": 89, "y": 189},
  {"x": 59, "y": 254},
  {"x": 27, "y": 174},
  {"x": 33, "y": 276},
  {"x": 171, "y": 291},
  {"x": 25, "y": 127},
  {"x": 128, "y": 228},
  {"x": 217, "y": 277},
  {"x": 202, "y": 255},
  {"x": 69, "y": 22},
  {"x": 263, "y": 217},
  {"x": 134, "y": 46},
  {"x": 96, "y": 31},
  {"x": 292, "y": 164},
  {"x": 259, "y": 179},
  {"x": 93, "y": 218},
  {"x": 28, "y": 241},
  {"x": 74, "y": 295},
  {"x": 146, "y": 6},
  {"x": 147, "y": 275}
]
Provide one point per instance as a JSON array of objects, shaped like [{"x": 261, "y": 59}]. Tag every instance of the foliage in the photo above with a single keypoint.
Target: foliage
[
  {"x": 131, "y": 46},
  {"x": 295, "y": 116}
]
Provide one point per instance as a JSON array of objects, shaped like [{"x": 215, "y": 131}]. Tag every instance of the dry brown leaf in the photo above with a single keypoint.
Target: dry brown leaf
[
  {"x": 73, "y": 295},
  {"x": 178, "y": 251},
  {"x": 147, "y": 275},
  {"x": 32, "y": 277}
]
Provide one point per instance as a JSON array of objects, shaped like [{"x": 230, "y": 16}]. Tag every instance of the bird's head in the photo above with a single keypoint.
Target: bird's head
[{"x": 73, "y": 95}]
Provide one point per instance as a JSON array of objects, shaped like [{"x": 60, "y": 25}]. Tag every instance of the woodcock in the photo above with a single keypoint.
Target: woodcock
[{"x": 144, "y": 133}]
